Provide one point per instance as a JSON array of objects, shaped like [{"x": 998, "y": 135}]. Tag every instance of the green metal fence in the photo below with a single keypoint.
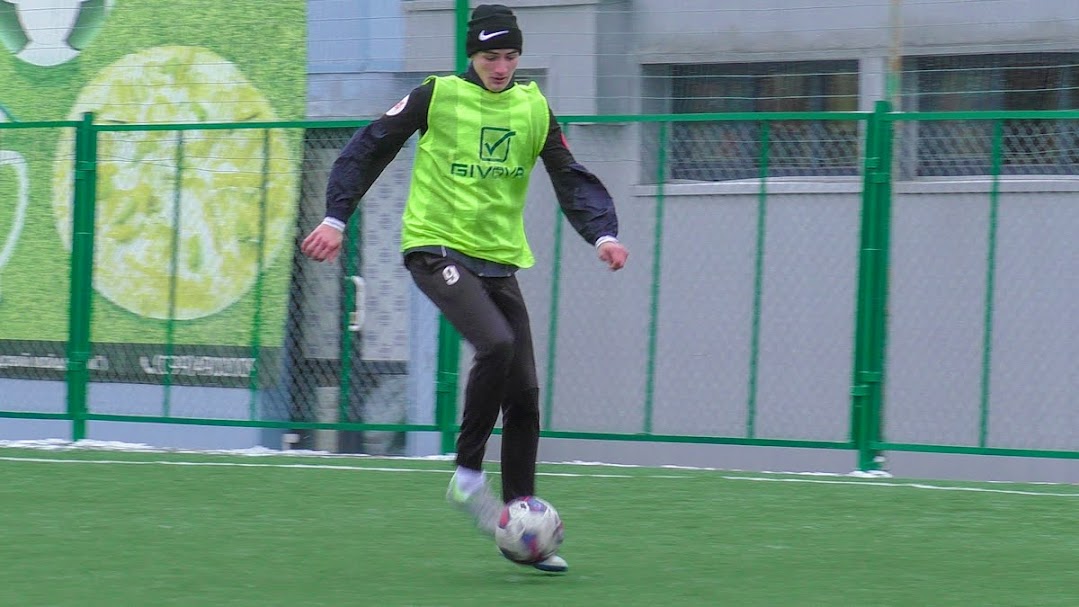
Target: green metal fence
[
  {"x": 995, "y": 355},
  {"x": 765, "y": 303}
]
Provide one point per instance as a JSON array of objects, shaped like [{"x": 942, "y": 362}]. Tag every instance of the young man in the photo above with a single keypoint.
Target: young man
[{"x": 463, "y": 236}]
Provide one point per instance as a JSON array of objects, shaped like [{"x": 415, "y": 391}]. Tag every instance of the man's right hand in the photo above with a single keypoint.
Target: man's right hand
[{"x": 323, "y": 243}]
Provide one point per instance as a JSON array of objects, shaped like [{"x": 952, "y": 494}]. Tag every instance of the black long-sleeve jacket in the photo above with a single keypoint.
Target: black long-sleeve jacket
[{"x": 583, "y": 198}]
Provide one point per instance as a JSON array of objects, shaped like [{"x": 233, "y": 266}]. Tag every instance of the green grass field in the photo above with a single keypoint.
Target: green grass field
[{"x": 105, "y": 528}]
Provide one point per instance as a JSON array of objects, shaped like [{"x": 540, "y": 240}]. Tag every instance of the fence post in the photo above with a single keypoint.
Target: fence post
[
  {"x": 662, "y": 140},
  {"x": 871, "y": 319},
  {"x": 351, "y": 265},
  {"x": 82, "y": 268},
  {"x": 449, "y": 341},
  {"x": 449, "y": 350},
  {"x": 460, "y": 20}
]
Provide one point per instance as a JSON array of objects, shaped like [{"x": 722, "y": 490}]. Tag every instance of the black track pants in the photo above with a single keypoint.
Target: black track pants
[{"x": 491, "y": 314}]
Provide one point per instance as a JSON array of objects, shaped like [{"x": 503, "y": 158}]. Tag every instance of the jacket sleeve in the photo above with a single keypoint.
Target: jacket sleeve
[
  {"x": 582, "y": 196},
  {"x": 370, "y": 150}
]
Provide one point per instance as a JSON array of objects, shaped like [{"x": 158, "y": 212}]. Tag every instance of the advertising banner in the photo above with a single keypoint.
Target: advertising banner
[{"x": 193, "y": 244}]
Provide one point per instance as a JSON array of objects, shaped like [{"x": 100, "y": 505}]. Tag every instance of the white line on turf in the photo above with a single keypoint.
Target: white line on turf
[
  {"x": 909, "y": 485},
  {"x": 42, "y": 460},
  {"x": 867, "y": 483}
]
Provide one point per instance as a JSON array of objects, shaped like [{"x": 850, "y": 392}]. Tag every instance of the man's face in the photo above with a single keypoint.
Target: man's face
[{"x": 496, "y": 67}]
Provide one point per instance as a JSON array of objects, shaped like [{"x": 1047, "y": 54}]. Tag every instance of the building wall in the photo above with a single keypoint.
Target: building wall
[
  {"x": 748, "y": 30},
  {"x": 596, "y": 52}
]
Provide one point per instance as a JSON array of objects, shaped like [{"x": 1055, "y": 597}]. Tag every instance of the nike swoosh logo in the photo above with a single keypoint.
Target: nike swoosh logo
[{"x": 484, "y": 36}]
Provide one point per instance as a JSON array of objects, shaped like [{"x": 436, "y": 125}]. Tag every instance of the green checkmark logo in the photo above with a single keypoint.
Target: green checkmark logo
[{"x": 495, "y": 143}]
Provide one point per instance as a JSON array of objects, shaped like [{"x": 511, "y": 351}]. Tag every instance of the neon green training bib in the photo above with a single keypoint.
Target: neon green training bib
[{"x": 470, "y": 176}]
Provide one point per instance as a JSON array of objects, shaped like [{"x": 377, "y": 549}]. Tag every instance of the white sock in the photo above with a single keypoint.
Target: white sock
[{"x": 468, "y": 480}]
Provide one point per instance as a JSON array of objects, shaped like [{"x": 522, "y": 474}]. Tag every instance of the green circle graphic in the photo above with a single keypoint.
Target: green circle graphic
[{"x": 181, "y": 230}]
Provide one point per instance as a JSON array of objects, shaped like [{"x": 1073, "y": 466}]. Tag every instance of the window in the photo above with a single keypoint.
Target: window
[
  {"x": 1026, "y": 81},
  {"x": 724, "y": 150}
]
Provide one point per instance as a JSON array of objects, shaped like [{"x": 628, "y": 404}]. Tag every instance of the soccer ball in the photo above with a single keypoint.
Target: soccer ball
[
  {"x": 529, "y": 530},
  {"x": 50, "y": 32}
]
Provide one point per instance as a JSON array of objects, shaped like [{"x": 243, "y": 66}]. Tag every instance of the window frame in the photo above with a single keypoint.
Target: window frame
[
  {"x": 1031, "y": 147},
  {"x": 797, "y": 148}
]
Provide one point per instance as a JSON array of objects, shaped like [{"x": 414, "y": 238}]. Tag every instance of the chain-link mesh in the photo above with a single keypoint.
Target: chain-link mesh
[
  {"x": 721, "y": 151},
  {"x": 192, "y": 256},
  {"x": 748, "y": 309},
  {"x": 980, "y": 348},
  {"x": 956, "y": 148},
  {"x": 34, "y": 272},
  {"x": 345, "y": 373},
  {"x": 203, "y": 308}
]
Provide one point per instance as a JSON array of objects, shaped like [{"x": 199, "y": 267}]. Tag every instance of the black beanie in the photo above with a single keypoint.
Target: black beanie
[{"x": 493, "y": 26}]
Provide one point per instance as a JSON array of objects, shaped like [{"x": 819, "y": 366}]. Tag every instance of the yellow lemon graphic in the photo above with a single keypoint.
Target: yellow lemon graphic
[{"x": 185, "y": 219}]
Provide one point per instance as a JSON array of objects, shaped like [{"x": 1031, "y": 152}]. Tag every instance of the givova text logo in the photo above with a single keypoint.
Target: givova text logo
[{"x": 495, "y": 144}]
